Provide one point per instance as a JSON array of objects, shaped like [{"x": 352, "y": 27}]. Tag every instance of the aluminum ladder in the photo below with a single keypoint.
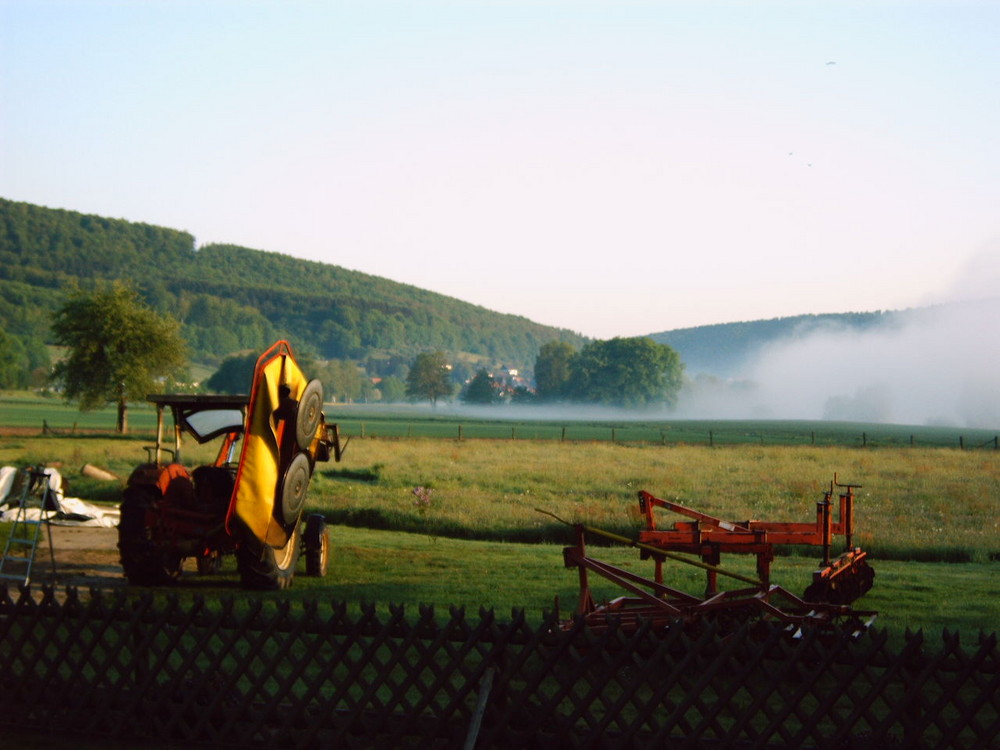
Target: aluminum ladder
[{"x": 19, "y": 551}]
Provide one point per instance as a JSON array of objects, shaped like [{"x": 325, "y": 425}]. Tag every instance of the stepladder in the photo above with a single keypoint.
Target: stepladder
[{"x": 32, "y": 500}]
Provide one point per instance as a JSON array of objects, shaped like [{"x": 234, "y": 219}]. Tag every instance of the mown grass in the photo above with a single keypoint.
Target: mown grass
[
  {"x": 923, "y": 504},
  {"x": 914, "y": 504}
]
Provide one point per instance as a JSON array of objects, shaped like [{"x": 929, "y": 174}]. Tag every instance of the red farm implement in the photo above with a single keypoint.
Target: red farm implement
[{"x": 701, "y": 541}]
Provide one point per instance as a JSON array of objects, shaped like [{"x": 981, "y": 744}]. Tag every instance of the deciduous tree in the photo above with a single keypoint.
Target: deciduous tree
[
  {"x": 118, "y": 349},
  {"x": 627, "y": 372},
  {"x": 482, "y": 389},
  {"x": 393, "y": 389},
  {"x": 235, "y": 374},
  {"x": 14, "y": 365},
  {"x": 341, "y": 380},
  {"x": 429, "y": 377},
  {"x": 552, "y": 370}
]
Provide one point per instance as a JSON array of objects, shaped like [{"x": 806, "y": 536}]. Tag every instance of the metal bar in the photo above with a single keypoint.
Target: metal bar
[
  {"x": 626, "y": 579},
  {"x": 159, "y": 433},
  {"x": 650, "y": 500},
  {"x": 656, "y": 550}
]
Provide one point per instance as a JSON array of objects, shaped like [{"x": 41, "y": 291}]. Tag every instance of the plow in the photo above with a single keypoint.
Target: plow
[{"x": 700, "y": 541}]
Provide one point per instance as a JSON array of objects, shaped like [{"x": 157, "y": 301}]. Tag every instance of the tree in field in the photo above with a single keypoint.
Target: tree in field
[
  {"x": 482, "y": 389},
  {"x": 552, "y": 370},
  {"x": 118, "y": 349},
  {"x": 627, "y": 372},
  {"x": 429, "y": 377}
]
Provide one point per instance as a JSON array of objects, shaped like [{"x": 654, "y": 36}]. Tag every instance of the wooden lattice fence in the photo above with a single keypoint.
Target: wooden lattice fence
[{"x": 273, "y": 674}]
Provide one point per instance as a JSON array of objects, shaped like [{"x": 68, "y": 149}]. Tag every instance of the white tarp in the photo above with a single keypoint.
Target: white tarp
[
  {"x": 7, "y": 475},
  {"x": 60, "y": 510}
]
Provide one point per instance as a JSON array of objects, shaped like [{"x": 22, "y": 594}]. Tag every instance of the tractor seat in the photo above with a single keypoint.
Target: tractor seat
[{"x": 213, "y": 488}]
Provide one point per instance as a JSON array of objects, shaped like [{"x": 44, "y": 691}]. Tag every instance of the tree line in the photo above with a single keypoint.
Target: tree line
[
  {"x": 625, "y": 372},
  {"x": 118, "y": 349}
]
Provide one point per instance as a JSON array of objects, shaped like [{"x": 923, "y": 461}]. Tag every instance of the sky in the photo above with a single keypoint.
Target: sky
[{"x": 614, "y": 168}]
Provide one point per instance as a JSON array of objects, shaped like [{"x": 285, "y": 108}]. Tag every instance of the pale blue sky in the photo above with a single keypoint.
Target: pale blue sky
[{"x": 616, "y": 168}]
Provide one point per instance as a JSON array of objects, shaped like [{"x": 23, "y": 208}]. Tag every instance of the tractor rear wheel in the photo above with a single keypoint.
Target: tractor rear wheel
[
  {"x": 144, "y": 564},
  {"x": 264, "y": 568}
]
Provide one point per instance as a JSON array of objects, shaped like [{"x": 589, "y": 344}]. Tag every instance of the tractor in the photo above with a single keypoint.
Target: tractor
[{"x": 249, "y": 501}]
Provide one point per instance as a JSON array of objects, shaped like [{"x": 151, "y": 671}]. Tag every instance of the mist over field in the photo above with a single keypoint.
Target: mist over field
[{"x": 938, "y": 365}]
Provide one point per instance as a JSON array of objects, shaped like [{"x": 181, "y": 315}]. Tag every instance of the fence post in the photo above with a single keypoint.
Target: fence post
[
  {"x": 711, "y": 439},
  {"x": 563, "y": 438},
  {"x": 961, "y": 443},
  {"x": 612, "y": 434},
  {"x": 460, "y": 432},
  {"x": 362, "y": 430},
  {"x": 485, "y": 685}
]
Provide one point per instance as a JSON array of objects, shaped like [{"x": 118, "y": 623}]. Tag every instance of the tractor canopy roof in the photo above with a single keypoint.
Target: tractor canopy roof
[{"x": 204, "y": 417}]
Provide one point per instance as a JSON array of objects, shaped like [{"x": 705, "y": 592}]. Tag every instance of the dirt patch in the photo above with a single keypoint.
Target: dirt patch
[{"x": 84, "y": 556}]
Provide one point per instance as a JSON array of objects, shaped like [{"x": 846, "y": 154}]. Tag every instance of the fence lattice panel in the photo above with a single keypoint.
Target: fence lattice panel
[{"x": 272, "y": 674}]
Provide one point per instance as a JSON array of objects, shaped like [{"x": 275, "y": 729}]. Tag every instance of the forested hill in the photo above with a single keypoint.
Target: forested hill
[
  {"x": 725, "y": 349},
  {"x": 231, "y": 298}
]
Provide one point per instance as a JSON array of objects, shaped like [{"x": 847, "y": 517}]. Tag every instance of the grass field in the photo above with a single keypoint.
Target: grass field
[{"x": 927, "y": 515}]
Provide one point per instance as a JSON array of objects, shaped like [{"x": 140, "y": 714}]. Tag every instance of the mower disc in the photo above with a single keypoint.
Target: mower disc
[
  {"x": 308, "y": 414},
  {"x": 293, "y": 489}
]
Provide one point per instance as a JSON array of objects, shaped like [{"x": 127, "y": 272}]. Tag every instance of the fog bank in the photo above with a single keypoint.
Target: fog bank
[{"x": 937, "y": 365}]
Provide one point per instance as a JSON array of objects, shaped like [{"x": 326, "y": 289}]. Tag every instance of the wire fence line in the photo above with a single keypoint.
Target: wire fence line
[
  {"x": 53, "y": 418},
  {"x": 686, "y": 434}
]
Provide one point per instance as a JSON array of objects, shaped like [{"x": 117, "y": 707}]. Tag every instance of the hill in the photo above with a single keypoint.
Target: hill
[{"x": 231, "y": 298}]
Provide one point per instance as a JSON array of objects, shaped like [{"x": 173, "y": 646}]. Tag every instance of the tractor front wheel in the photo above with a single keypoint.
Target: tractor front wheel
[{"x": 316, "y": 540}]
